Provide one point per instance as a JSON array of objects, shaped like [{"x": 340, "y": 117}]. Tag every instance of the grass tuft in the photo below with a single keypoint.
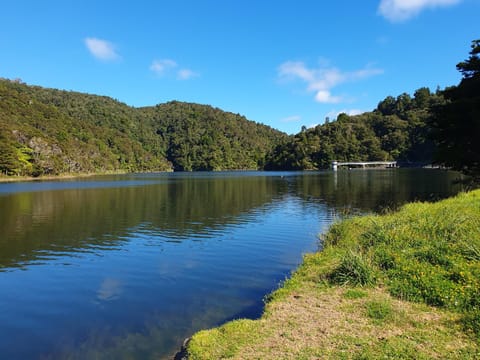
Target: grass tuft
[{"x": 354, "y": 269}]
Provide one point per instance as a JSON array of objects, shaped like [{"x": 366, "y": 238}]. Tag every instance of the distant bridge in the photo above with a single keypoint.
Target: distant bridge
[{"x": 364, "y": 164}]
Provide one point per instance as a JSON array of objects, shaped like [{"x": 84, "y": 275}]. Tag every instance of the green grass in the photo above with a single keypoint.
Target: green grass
[
  {"x": 354, "y": 269},
  {"x": 425, "y": 252},
  {"x": 223, "y": 342},
  {"x": 402, "y": 285},
  {"x": 379, "y": 310},
  {"x": 354, "y": 294}
]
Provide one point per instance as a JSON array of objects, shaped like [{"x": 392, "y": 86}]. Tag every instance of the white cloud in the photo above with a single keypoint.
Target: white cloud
[
  {"x": 324, "y": 96},
  {"x": 161, "y": 67},
  {"x": 185, "y": 74},
  {"x": 101, "y": 49},
  {"x": 293, "y": 118},
  {"x": 322, "y": 79},
  {"x": 401, "y": 10},
  {"x": 164, "y": 67}
]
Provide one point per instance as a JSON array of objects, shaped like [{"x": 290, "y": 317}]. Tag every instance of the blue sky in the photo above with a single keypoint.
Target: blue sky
[{"x": 281, "y": 63}]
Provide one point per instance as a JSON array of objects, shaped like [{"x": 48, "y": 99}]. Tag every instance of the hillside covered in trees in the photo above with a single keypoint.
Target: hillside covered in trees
[
  {"x": 50, "y": 132},
  {"x": 46, "y": 131},
  {"x": 396, "y": 130}
]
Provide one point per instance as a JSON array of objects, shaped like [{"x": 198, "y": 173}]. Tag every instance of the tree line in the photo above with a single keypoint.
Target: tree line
[
  {"x": 441, "y": 127},
  {"x": 396, "y": 130},
  {"x": 48, "y": 131}
]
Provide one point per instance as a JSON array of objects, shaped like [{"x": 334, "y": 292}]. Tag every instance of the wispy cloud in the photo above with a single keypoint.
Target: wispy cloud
[
  {"x": 161, "y": 67},
  {"x": 293, "y": 118},
  {"x": 167, "y": 66},
  {"x": 110, "y": 289},
  {"x": 401, "y": 10},
  {"x": 185, "y": 74},
  {"x": 101, "y": 49},
  {"x": 323, "y": 79}
]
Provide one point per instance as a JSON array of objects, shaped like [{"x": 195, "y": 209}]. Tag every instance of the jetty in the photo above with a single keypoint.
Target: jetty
[{"x": 364, "y": 164}]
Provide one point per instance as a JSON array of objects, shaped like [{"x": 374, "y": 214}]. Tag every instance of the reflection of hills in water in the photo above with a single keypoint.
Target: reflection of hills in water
[
  {"x": 37, "y": 225},
  {"x": 375, "y": 190}
]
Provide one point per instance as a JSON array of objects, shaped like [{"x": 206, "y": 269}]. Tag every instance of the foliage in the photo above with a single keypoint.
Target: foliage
[
  {"x": 456, "y": 124},
  {"x": 396, "y": 130},
  {"x": 47, "y": 131},
  {"x": 199, "y": 137}
]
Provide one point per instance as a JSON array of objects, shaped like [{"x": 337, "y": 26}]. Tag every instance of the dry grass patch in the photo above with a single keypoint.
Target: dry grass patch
[{"x": 325, "y": 323}]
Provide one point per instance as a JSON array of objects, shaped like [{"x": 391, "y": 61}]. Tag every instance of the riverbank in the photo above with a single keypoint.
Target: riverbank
[
  {"x": 6, "y": 179},
  {"x": 404, "y": 285}
]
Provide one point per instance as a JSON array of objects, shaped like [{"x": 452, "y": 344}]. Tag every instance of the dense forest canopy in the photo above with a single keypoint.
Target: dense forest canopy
[
  {"x": 396, "y": 130},
  {"x": 47, "y": 131},
  {"x": 456, "y": 123}
]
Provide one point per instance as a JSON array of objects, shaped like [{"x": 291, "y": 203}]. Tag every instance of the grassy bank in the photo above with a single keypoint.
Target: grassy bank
[{"x": 400, "y": 286}]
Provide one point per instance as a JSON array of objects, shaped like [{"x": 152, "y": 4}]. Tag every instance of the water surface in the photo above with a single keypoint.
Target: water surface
[{"x": 128, "y": 266}]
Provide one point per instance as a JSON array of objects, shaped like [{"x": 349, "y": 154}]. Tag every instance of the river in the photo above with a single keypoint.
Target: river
[{"x": 127, "y": 266}]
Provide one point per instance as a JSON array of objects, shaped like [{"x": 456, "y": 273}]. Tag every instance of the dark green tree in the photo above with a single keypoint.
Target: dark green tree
[{"x": 456, "y": 124}]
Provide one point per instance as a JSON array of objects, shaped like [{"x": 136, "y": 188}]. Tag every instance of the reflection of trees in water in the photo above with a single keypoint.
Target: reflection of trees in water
[
  {"x": 72, "y": 220},
  {"x": 375, "y": 190},
  {"x": 39, "y": 224}
]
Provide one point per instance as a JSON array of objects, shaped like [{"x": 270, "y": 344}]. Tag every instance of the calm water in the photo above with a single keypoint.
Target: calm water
[{"x": 128, "y": 266}]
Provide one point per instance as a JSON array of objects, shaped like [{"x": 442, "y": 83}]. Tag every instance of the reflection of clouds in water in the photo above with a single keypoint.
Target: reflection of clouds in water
[{"x": 110, "y": 289}]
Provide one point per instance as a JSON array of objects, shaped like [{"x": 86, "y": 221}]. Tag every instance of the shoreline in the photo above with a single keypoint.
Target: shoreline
[
  {"x": 10, "y": 179},
  {"x": 66, "y": 176},
  {"x": 382, "y": 287}
]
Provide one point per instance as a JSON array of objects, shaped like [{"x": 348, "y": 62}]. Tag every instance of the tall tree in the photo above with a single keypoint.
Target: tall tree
[{"x": 456, "y": 124}]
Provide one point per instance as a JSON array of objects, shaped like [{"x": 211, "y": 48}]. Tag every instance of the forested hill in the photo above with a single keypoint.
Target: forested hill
[
  {"x": 47, "y": 131},
  {"x": 398, "y": 129}
]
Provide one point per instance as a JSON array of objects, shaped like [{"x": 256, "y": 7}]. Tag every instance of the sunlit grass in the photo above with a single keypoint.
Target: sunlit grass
[{"x": 403, "y": 285}]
